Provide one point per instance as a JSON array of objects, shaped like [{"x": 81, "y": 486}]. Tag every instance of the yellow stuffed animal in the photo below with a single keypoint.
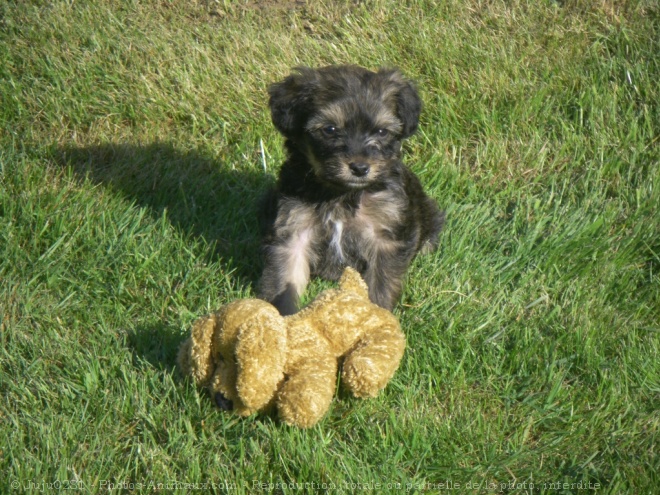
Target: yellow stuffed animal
[{"x": 251, "y": 358}]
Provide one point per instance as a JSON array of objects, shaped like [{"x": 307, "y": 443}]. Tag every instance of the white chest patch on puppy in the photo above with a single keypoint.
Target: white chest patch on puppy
[{"x": 336, "y": 239}]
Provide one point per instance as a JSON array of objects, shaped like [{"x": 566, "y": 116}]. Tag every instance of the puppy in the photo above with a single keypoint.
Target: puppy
[{"x": 343, "y": 196}]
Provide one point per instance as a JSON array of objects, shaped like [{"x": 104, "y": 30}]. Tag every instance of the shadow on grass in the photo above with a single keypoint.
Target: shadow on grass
[
  {"x": 202, "y": 197},
  {"x": 199, "y": 195},
  {"x": 157, "y": 345}
]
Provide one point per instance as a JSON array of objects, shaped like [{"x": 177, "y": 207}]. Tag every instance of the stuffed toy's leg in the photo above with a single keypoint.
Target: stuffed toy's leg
[
  {"x": 372, "y": 363},
  {"x": 306, "y": 395}
]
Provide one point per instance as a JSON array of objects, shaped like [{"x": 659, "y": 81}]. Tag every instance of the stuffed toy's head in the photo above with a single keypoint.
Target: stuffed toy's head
[{"x": 251, "y": 358}]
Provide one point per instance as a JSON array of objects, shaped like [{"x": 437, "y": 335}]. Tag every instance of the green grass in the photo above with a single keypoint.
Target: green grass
[{"x": 134, "y": 142}]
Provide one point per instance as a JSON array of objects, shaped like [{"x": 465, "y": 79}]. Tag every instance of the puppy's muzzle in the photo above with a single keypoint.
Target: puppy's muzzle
[{"x": 359, "y": 169}]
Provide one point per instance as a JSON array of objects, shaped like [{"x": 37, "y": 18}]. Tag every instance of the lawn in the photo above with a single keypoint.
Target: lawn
[{"x": 135, "y": 141}]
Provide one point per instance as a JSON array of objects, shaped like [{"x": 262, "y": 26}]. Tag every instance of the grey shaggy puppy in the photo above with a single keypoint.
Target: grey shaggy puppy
[{"x": 344, "y": 197}]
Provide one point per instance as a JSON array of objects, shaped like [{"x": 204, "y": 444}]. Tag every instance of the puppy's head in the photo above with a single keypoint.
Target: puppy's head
[{"x": 348, "y": 121}]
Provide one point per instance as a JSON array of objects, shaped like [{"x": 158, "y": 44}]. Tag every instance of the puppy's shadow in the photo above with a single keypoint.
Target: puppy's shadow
[
  {"x": 200, "y": 195},
  {"x": 157, "y": 344}
]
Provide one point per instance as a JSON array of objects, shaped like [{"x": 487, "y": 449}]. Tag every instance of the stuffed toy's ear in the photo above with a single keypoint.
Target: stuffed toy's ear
[
  {"x": 291, "y": 101},
  {"x": 260, "y": 353},
  {"x": 408, "y": 102},
  {"x": 352, "y": 281},
  {"x": 194, "y": 357}
]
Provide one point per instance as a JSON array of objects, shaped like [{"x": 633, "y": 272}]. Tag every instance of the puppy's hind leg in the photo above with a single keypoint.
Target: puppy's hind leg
[{"x": 384, "y": 276}]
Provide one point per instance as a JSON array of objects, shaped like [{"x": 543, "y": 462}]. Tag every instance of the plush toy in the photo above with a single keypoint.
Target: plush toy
[{"x": 252, "y": 359}]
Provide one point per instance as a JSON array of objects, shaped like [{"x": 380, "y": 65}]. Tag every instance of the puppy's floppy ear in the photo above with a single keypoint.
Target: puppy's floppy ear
[
  {"x": 291, "y": 100},
  {"x": 408, "y": 102}
]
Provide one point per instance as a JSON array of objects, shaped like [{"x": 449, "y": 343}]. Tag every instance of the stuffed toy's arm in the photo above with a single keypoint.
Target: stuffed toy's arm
[
  {"x": 373, "y": 361},
  {"x": 307, "y": 393}
]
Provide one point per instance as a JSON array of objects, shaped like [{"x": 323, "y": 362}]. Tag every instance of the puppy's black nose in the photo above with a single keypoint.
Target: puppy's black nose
[{"x": 359, "y": 169}]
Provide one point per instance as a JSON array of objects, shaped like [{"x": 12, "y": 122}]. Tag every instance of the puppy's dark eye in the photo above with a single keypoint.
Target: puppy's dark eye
[
  {"x": 382, "y": 132},
  {"x": 329, "y": 130}
]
